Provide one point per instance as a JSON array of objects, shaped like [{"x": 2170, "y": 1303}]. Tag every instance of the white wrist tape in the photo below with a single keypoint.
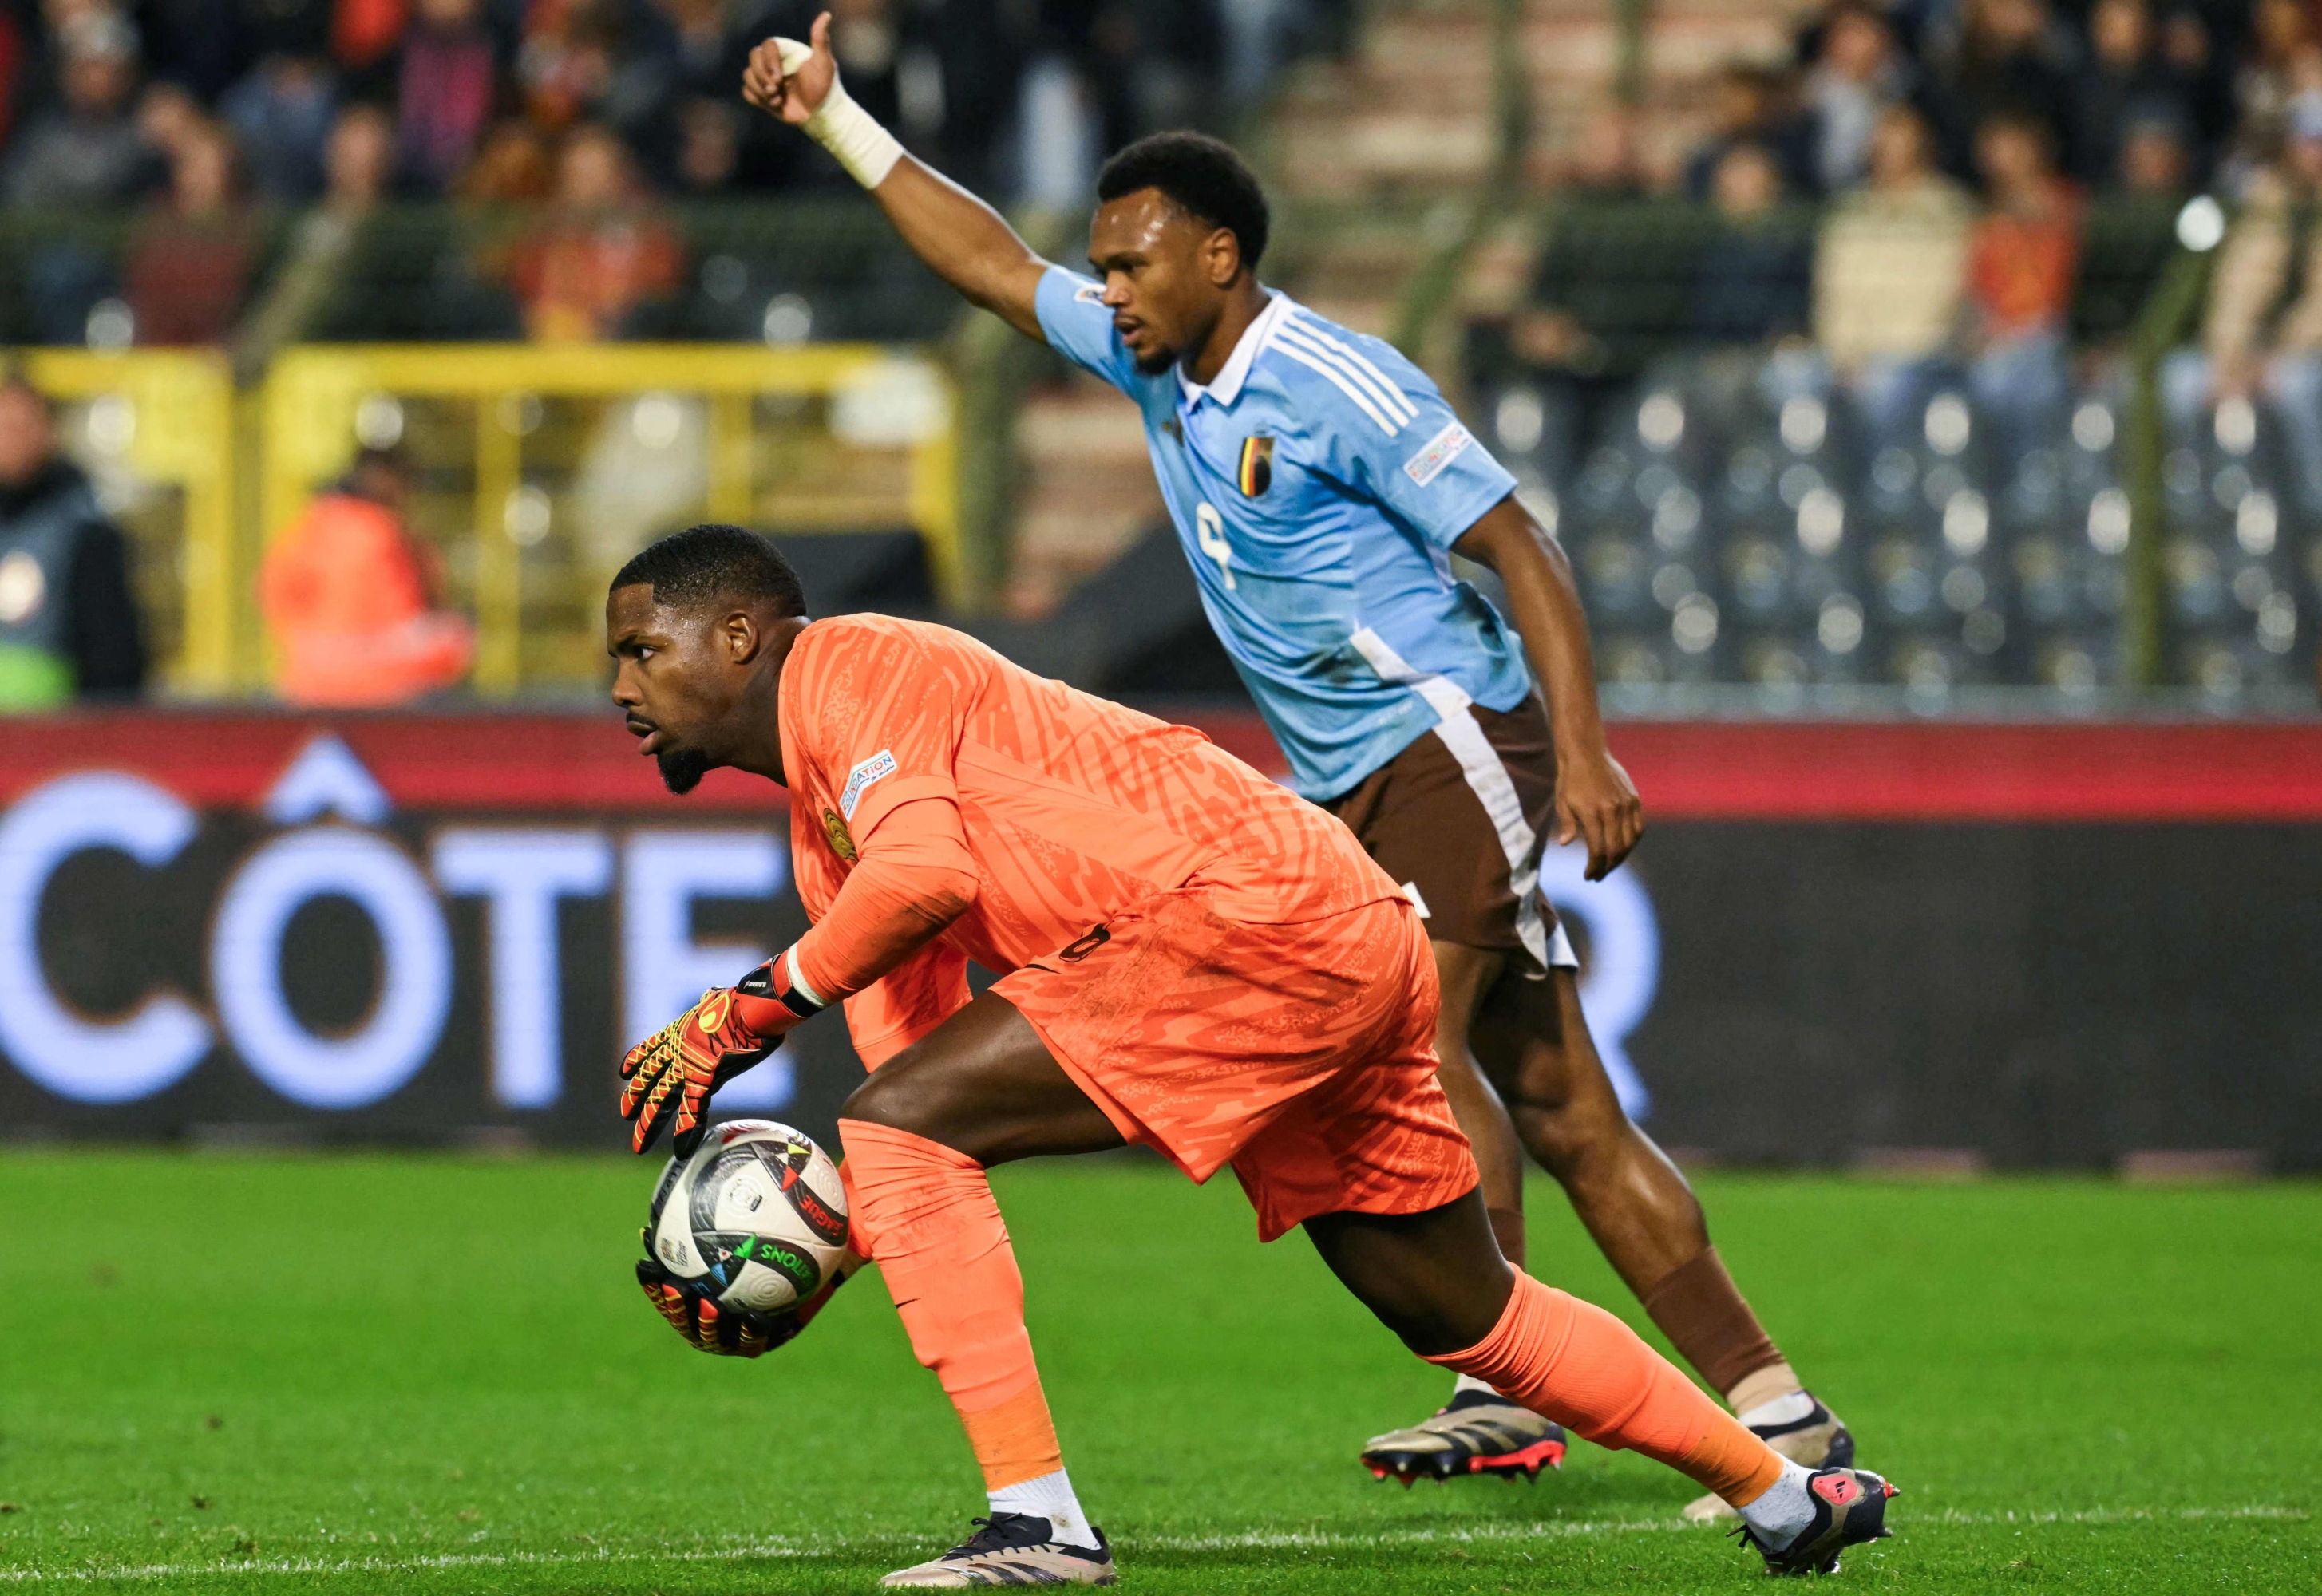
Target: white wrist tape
[{"x": 852, "y": 135}]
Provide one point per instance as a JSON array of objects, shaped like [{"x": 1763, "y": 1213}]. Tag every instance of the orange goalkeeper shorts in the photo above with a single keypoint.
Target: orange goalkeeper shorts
[{"x": 1303, "y": 1054}]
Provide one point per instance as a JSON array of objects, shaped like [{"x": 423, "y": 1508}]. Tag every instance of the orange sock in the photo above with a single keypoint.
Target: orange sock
[
  {"x": 925, "y": 1215},
  {"x": 1572, "y": 1362}
]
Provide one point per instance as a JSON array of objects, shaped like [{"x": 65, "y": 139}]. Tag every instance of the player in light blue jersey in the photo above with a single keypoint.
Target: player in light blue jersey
[{"x": 1321, "y": 485}]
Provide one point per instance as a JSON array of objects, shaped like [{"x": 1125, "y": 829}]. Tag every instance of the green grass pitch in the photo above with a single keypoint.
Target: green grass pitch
[{"x": 434, "y": 1374}]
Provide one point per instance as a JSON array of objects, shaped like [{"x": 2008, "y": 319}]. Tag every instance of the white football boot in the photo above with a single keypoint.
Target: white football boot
[{"x": 1011, "y": 1549}]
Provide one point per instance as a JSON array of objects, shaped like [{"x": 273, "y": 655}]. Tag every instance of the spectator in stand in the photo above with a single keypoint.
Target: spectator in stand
[
  {"x": 166, "y": 114},
  {"x": 2284, "y": 62},
  {"x": 446, "y": 84},
  {"x": 354, "y": 598},
  {"x": 1890, "y": 271},
  {"x": 1753, "y": 105},
  {"x": 189, "y": 260},
  {"x": 85, "y": 157},
  {"x": 2156, "y": 157},
  {"x": 359, "y": 164},
  {"x": 1858, "y": 73},
  {"x": 2262, "y": 334},
  {"x": 69, "y": 624},
  {"x": 2022, "y": 264},
  {"x": 2125, "y": 81},
  {"x": 282, "y": 111},
  {"x": 2004, "y": 55},
  {"x": 709, "y": 145},
  {"x": 616, "y": 62},
  {"x": 88, "y": 154},
  {"x": 676, "y": 91},
  {"x": 514, "y": 167},
  {"x": 1753, "y": 288},
  {"x": 703, "y": 40},
  {"x": 599, "y": 255},
  {"x": 2201, "y": 75}
]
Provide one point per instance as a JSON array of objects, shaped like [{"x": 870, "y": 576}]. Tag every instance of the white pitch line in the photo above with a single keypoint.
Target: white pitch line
[{"x": 1253, "y": 1540}]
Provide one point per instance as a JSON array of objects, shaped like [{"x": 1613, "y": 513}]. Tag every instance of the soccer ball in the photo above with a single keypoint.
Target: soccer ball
[{"x": 756, "y": 1217}]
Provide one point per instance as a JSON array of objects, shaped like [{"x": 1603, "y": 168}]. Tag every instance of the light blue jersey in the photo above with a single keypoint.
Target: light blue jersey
[{"x": 1318, "y": 485}]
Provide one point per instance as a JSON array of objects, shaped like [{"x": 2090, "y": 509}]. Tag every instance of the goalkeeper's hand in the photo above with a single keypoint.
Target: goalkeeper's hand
[
  {"x": 732, "y": 1332},
  {"x": 688, "y": 1059}
]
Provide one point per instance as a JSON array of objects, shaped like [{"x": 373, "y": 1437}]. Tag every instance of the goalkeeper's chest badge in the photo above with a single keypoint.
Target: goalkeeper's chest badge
[
  {"x": 1257, "y": 466},
  {"x": 834, "y": 829}
]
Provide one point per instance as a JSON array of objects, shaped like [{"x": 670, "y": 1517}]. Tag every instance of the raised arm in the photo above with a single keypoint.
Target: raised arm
[
  {"x": 963, "y": 240},
  {"x": 1594, "y": 799}
]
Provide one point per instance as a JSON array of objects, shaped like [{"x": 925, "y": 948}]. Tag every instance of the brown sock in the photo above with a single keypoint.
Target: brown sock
[
  {"x": 1703, "y": 1313},
  {"x": 1508, "y": 1226}
]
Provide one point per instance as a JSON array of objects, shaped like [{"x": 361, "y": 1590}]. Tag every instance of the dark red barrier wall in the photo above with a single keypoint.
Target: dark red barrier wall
[{"x": 1686, "y": 770}]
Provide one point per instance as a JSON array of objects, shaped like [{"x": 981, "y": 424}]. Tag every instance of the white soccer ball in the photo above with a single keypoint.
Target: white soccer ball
[{"x": 756, "y": 1218}]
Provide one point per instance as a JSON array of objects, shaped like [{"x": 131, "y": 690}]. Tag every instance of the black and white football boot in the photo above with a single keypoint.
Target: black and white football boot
[
  {"x": 1850, "y": 1508},
  {"x": 1480, "y": 1433},
  {"x": 1009, "y": 1549},
  {"x": 1818, "y": 1441}
]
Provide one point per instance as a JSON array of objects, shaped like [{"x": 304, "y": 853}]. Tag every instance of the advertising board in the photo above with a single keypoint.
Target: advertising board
[{"x": 2026, "y": 945}]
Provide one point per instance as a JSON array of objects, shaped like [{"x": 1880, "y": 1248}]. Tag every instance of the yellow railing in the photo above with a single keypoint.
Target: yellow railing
[
  {"x": 764, "y": 464},
  {"x": 814, "y": 438}
]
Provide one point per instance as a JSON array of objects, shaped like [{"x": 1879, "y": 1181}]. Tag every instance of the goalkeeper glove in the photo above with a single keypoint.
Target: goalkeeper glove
[
  {"x": 732, "y": 1332},
  {"x": 728, "y": 1031}
]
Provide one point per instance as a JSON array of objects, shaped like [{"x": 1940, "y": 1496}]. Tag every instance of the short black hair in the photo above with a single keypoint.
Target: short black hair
[
  {"x": 1204, "y": 176},
  {"x": 713, "y": 561}
]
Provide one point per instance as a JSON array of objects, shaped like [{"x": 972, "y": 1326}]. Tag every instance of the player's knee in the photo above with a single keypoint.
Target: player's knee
[
  {"x": 1549, "y": 1133},
  {"x": 894, "y": 1098},
  {"x": 1560, "y": 1130},
  {"x": 1451, "y": 1315}
]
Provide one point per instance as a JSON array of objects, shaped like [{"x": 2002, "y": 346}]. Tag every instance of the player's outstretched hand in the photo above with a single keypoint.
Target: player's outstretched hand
[
  {"x": 1596, "y": 801},
  {"x": 730, "y": 1332},
  {"x": 790, "y": 80},
  {"x": 687, "y": 1060}
]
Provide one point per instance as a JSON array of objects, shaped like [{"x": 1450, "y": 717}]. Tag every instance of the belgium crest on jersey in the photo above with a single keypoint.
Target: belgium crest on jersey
[
  {"x": 842, "y": 841},
  {"x": 1257, "y": 466}
]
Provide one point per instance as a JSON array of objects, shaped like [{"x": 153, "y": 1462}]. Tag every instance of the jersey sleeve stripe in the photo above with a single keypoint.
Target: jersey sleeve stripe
[
  {"x": 1338, "y": 379},
  {"x": 1390, "y": 402},
  {"x": 1348, "y": 354}
]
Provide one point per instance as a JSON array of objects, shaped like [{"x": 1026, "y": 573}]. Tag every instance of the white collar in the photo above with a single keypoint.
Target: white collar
[{"x": 1225, "y": 388}]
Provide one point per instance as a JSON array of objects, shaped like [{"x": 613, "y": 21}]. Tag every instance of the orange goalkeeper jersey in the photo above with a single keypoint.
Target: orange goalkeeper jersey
[{"x": 1070, "y": 809}]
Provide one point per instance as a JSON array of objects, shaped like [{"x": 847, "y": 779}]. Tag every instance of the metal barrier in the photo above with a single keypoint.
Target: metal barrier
[{"x": 811, "y": 439}]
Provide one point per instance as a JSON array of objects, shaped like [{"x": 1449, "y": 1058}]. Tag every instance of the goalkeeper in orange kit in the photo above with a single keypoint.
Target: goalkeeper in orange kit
[{"x": 1192, "y": 958}]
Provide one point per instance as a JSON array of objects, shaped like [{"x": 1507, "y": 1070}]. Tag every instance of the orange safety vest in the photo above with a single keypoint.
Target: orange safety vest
[{"x": 346, "y": 595}]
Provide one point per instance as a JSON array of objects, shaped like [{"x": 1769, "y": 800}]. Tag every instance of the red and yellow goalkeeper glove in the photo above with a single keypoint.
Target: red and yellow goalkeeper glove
[
  {"x": 729, "y": 1030},
  {"x": 732, "y": 1332}
]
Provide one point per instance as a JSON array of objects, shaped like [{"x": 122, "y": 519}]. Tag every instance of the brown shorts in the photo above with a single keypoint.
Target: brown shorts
[{"x": 1459, "y": 817}]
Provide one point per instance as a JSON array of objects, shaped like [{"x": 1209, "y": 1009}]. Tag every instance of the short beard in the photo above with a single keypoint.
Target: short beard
[
  {"x": 682, "y": 769},
  {"x": 1156, "y": 363}
]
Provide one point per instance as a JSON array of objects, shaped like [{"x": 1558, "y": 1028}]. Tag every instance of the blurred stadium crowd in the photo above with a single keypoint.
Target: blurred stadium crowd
[
  {"x": 1850, "y": 410},
  {"x": 1845, "y": 367},
  {"x": 208, "y": 120}
]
